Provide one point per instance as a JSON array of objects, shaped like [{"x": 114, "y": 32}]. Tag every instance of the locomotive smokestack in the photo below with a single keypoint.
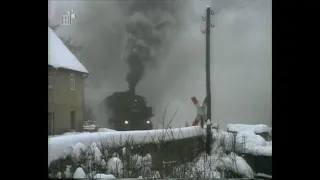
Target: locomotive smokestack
[{"x": 132, "y": 90}]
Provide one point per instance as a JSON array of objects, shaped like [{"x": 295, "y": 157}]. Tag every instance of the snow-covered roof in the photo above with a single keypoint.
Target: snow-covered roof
[
  {"x": 59, "y": 56},
  {"x": 259, "y": 128}
]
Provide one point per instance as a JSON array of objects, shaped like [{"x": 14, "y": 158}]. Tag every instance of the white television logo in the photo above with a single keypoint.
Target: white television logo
[{"x": 67, "y": 18}]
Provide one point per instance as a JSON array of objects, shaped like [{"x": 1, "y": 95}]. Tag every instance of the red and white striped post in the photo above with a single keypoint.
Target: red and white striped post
[{"x": 201, "y": 112}]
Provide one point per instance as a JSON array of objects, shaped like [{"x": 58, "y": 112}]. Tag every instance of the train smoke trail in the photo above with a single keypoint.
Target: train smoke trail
[{"x": 148, "y": 31}]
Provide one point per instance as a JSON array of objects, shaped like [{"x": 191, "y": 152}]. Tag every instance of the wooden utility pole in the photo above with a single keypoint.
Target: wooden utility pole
[
  {"x": 209, "y": 12},
  {"x": 208, "y": 80}
]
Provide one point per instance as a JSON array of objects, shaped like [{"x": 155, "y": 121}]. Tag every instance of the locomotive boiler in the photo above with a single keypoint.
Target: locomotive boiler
[{"x": 127, "y": 111}]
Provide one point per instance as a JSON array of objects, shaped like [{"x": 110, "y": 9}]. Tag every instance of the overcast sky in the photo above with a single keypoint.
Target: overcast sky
[{"x": 241, "y": 62}]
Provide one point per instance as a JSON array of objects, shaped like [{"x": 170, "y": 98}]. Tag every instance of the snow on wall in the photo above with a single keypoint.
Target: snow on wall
[
  {"x": 254, "y": 144},
  {"x": 68, "y": 133},
  {"x": 260, "y": 128},
  {"x": 60, "y": 146},
  {"x": 59, "y": 56},
  {"x": 245, "y": 142}
]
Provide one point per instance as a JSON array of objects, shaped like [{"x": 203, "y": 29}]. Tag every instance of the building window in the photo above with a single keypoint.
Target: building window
[
  {"x": 72, "y": 82},
  {"x": 50, "y": 84},
  {"x": 50, "y": 123},
  {"x": 73, "y": 119}
]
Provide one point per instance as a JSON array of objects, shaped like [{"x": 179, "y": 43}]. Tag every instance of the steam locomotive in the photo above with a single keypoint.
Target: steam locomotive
[{"x": 127, "y": 111}]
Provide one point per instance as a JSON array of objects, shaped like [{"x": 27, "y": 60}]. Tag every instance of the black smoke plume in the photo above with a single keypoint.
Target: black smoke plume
[{"x": 149, "y": 26}]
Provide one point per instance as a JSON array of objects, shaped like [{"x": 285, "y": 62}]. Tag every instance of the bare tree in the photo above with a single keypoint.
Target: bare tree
[
  {"x": 55, "y": 27},
  {"x": 187, "y": 124},
  {"x": 88, "y": 114}
]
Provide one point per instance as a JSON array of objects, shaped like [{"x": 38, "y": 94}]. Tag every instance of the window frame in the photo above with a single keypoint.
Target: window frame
[{"x": 72, "y": 82}]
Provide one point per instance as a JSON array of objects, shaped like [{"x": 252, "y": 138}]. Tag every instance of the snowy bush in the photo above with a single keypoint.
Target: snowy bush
[
  {"x": 96, "y": 161},
  {"x": 217, "y": 165},
  {"x": 225, "y": 160},
  {"x": 89, "y": 162}
]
